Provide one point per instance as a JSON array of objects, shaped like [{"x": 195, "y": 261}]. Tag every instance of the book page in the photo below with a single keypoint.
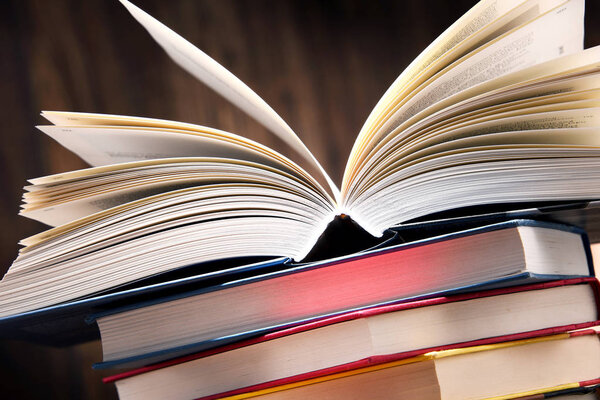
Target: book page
[
  {"x": 163, "y": 210},
  {"x": 571, "y": 73},
  {"x": 517, "y": 95},
  {"x": 564, "y": 74},
  {"x": 550, "y": 36},
  {"x": 481, "y": 15},
  {"x": 551, "y": 102},
  {"x": 558, "y": 32},
  {"x": 207, "y": 70},
  {"x": 99, "y": 145},
  {"x": 517, "y": 16},
  {"x": 567, "y": 74},
  {"x": 64, "y": 201},
  {"x": 484, "y": 22},
  {"x": 489, "y": 100},
  {"x": 477, "y": 134},
  {"x": 423, "y": 161},
  {"x": 104, "y": 144},
  {"x": 576, "y": 113},
  {"x": 496, "y": 174}
]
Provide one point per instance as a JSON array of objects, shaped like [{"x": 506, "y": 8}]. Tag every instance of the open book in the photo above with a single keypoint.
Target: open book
[{"x": 502, "y": 107}]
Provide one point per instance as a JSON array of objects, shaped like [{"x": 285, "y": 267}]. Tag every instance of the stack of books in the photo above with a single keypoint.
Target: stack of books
[{"x": 453, "y": 262}]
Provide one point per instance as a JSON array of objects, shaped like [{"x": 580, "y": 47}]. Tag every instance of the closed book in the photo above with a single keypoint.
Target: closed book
[
  {"x": 503, "y": 254},
  {"x": 505, "y": 370},
  {"x": 399, "y": 331}
]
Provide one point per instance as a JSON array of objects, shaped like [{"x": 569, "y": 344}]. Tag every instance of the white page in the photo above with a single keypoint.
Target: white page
[
  {"x": 503, "y": 180},
  {"x": 381, "y": 159},
  {"x": 556, "y": 33},
  {"x": 482, "y": 14},
  {"x": 559, "y": 31},
  {"x": 549, "y": 122},
  {"x": 417, "y": 163},
  {"x": 207, "y": 70},
  {"x": 172, "y": 175},
  {"x": 484, "y": 22},
  {"x": 162, "y": 212},
  {"x": 99, "y": 145},
  {"x": 162, "y": 205}
]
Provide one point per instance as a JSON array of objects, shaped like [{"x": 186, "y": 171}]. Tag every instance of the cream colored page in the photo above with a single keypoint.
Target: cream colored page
[
  {"x": 107, "y": 170},
  {"x": 161, "y": 214},
  {"x": 477, "y": 135},
  {"x": 82, "y": 120},
  {"x": 69, "y": 118},
  {"x": 552, "y": 102},
  {"x": 557, "y": 32},
  {"x": 570, "y": 115},
  {"x": 466, "y": 178},
  {"x": 112, "y": 145},
  {"x": 583, "y": 135},
  {"x": 409, "y": 166},
  {"x": 387, "y": 155},
  {"x": 225, "y": 83},
  {"x": 79, "y": 205},
  {"x": 498, "y": 98},
  {"x": 77, "y": 208},
  {"x": 569, "y": 73},
  {"x": 175, "y": 200},
  {"x": 522, "y": 14},
  {"x": 103, "y": 145},
  {"x": 483, "y": 13}
]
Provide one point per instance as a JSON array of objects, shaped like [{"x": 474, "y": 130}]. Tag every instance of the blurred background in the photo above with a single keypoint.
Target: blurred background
[{"x": 322, "y": 65}]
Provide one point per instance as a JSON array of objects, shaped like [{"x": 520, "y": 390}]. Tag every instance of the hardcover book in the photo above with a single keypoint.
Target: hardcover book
[
  {"x": 498, "y": 255},
  {"x": 526, "y": 367},
  {"x": 407, "y": 330}
]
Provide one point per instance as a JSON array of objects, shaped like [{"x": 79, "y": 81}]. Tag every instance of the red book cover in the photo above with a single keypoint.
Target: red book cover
[{"x": 364, "y": 313}]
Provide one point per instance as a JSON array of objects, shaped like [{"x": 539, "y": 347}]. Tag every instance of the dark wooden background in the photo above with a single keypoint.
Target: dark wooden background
[{"x": 322, "y": 65}]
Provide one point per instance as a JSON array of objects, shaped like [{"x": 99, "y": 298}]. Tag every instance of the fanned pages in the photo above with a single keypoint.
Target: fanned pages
[
  {"x": 201, "y": 66},
  {"x": 501, "y": 110}
]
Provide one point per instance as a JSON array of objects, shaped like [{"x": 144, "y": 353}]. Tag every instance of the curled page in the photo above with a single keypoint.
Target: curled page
[{"x": 217, "y": 77}]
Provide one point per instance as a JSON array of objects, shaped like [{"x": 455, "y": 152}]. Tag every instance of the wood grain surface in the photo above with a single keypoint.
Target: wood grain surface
[{"x": 322, "y": 65}]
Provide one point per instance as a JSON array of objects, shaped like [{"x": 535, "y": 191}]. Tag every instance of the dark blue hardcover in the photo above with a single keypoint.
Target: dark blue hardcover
[{"x": 524, "y": 277}]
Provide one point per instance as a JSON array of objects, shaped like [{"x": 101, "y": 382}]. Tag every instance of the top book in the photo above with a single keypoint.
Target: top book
[{"x": 502, "y": 107}]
